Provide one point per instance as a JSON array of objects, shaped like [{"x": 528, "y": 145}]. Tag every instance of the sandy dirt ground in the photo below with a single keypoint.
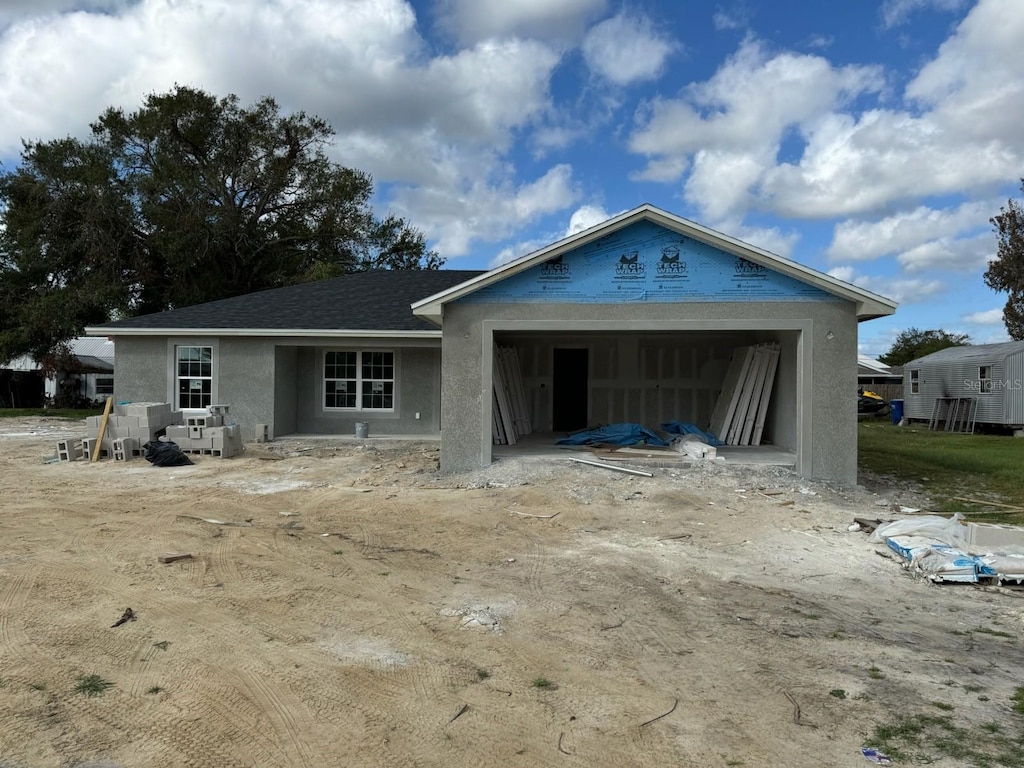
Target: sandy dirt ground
[{"x": 415, "y": 623}]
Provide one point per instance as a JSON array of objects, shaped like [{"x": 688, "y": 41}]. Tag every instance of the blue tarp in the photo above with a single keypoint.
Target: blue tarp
[
  {"x": 685, "y": 428},
  {"x": 613, "y": 434}
]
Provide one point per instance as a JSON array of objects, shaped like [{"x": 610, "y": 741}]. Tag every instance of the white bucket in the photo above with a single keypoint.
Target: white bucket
[{"x": 362, "y": 429}]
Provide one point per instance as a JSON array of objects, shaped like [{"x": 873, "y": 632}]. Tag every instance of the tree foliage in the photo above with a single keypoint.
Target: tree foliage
[
  {"x": 913, "y": 343},
  {"x": 1006, "y": 272},
  {"x": 189, "y": 199}
]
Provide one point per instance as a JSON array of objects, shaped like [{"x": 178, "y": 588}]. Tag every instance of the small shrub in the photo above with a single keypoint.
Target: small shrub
[
  {"x": 92, "y": 685},
  {"x": 875, "y": 673},
  {"x": 155, "y": 689},
  {"x": 541, "y": 682},
  {"x": 482, "y": 674},
  {"x": 838, "y": 693},
  {"x": 1018, "y": 700}
]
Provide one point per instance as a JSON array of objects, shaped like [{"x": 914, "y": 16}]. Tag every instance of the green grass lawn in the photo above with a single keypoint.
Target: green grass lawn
[
  {"x": 948, "y": 465},
  {"x": 53, "y": 413}
]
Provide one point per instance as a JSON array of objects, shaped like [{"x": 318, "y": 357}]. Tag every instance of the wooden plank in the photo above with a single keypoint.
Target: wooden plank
[
  {"x": 173, "y": 557},
  {"x": 736, "y": 426},
  {"x": 103, "y": 430},
  {"x": 725, "y": 404},
  {"x": 755, "y": 396},
  {"x": 762, "y": 409},
  {"x": 504, "y": 408}
]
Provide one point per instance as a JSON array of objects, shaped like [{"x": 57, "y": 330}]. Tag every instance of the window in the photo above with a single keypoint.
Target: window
[
  {"x": 105, "y": 386},
  {"x": 359, "y": 381},
  {"x": 915, "y": 382},
  {"x": 194, "y": 376},
  {"x": 985, "y": 378}
]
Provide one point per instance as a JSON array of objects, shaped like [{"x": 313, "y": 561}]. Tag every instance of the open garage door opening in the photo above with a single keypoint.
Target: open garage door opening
[{"x": 580, "y": 380}]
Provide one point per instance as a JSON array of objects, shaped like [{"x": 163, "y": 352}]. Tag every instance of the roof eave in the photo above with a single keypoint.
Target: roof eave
[{"x": 332, "y": 333}]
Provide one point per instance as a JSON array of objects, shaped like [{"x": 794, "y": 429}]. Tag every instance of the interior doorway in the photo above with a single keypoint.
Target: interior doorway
[{"x": 570, "y": 389}]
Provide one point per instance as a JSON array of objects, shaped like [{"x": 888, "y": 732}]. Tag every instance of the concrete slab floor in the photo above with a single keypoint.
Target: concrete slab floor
[{"x": 542, "y": 444}]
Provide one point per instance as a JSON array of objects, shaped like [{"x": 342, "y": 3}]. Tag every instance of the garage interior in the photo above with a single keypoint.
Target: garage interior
[{"x": 575, "y": 380}]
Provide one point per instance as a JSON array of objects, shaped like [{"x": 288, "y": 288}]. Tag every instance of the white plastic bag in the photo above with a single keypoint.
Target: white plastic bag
[{"x": 948, "y": 530}]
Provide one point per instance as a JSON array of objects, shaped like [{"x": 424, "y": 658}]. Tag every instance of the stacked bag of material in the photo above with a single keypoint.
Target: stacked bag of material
[{"x": 946, "y": 550}]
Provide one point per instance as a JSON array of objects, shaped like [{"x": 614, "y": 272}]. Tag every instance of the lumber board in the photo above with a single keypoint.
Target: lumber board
[
  {"x": 98, "y": 448},
  {"x": 725, "y": 405},
  {"x": 755, "y": 396},
  {"x": 736, "y": 427},
  {"x": 762, "y": 410}
]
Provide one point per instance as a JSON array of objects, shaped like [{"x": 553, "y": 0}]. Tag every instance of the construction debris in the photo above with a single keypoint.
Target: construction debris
[
  {"x": 614, "y": 467},
  {"x": 124, "y": 429},
  {"x": 741, "y": 408},
  {"x": 173, "y": 557},
  {"x": 510, "y": 413},
  {"x": 128, "y": 615}
]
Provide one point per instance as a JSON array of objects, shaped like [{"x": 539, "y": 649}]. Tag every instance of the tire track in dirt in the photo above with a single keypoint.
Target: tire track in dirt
[
  {"x": 222, "y": 713},
  {"x": 14, "y": 640},
  {"x": 289, "y": 716}
]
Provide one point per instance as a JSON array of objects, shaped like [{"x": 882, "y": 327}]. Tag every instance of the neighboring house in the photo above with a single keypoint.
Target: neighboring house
[
  {"x": 875, "y": 376},
  {"x": 87, "y": 377},
  {"x": 632, "y": 320},
  {"x": 990, "y": 375}
]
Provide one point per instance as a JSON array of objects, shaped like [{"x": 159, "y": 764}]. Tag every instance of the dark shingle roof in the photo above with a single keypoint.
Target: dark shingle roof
[{"x": 378, "y": 300}]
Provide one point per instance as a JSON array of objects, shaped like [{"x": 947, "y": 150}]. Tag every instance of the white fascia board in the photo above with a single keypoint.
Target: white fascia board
[
  {"x": 274, "y": 332},
  {"x": 869, "y": 305}
]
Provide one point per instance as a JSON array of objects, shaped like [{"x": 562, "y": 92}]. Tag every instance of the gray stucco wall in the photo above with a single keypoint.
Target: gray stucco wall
[
  {"x": 279, "y": 382},
  {"x": 285, "y": 394},
  {"x": 819, "y": 339},
  {"x": 417, "y": 392}
]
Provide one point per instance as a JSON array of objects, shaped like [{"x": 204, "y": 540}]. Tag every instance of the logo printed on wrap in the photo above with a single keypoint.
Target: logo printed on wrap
[
  {"x": 748, "y": 270},
  {"x": 629, "y": 267},
  {"x": 555, "y": 269},
  {"x": 670, "y": 266}
]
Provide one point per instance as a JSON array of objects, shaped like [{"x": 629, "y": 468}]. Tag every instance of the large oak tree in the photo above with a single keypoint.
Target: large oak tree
[
  {"x": 1006, "y": 272},
  {"x": 189, "y": 199}
]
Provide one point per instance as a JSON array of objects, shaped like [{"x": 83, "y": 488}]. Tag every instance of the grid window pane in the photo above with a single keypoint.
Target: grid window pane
[
  {"x": 195, "y": 376},
  {"x": 360, "y": 381}
]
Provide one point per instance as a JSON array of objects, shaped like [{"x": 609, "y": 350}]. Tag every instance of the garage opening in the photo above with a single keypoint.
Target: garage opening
[{"x": 573, "y": 381}]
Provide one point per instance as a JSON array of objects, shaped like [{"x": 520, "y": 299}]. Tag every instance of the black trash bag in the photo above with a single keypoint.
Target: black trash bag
[{"x": 164, "y": 454}]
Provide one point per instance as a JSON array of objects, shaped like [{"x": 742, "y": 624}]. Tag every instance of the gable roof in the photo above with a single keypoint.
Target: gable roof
[
  {"x": 867, "y": 364},
  {"x": 979, "y": 352},
  {"x": 371, "y": 303},
  {"x": 869, "y": 305}
]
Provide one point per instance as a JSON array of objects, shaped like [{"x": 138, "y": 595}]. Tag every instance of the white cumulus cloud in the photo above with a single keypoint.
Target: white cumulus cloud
[
  {"x": 987, "y": 317},
  {"x": 471, "y": 21},
  {"x": 896, "y": 12},
  {"x": 731, "y": 127},
  {"x": 902, "y": 290},
  {"x": 626, "y": 49}
]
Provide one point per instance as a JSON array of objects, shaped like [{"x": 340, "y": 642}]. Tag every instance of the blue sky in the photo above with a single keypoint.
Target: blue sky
[{"x": 872, "y": 140}]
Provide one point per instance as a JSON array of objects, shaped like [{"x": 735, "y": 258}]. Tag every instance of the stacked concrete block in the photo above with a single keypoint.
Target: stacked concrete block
[
  {"x": 69, "y": 450},
  {"x": 89, "y": 445},
  {"x": 126, "y": 448},
  {"x": 206, "y": 433},
  {"x": 141, "y": 421}
]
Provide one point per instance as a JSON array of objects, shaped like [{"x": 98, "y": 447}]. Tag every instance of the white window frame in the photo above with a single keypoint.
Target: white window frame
[
  {"x": 915, "y": 381},
  {"x": 985, "y": 379},
  {"x": 194, "y": 374},
  {"x": 360, "y": 382}
]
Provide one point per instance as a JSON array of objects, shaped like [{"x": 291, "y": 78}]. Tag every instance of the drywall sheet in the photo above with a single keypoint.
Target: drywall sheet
[{"x": 645, "y": 262}]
